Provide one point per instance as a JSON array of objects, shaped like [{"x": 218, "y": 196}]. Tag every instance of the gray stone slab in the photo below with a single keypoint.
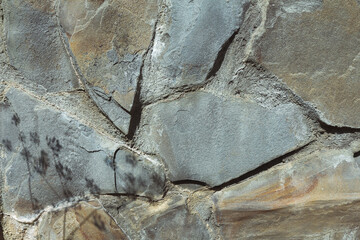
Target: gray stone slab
[
  {"x": 48, "y": 156},
  {"x": 210, "y": 139},
  {"x": 34, "y": 45},
  {"x": 188, "y": 41}
]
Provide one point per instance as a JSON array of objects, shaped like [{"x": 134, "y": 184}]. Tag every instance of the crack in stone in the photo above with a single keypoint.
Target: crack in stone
[
  {"x": 137, "y": 105},
  {"x": 263, "y": 168}
]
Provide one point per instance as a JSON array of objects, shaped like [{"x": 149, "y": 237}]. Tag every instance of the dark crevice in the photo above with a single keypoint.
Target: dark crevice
[
  {"x": 136, "y": 110},
  {"x": 338, "y": 130},
  {"x": 137, "y": 106},
  {"x": 188, "y": 181},
  {"x": 221, "y": 56},
  {"x": 114, "y": 168},
  {"x": 357, "y": 154},
  {"x": 129, "y": 195},
  {"x": 259, "y": 169}
]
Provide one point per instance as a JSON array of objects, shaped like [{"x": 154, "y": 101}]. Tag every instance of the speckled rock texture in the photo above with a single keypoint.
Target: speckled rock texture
[{"x": 179, "y": 119}]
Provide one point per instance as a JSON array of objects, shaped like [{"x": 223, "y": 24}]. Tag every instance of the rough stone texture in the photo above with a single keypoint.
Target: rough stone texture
[
  {"x": 179, "y": 119},
  {"x": 86, "y": 220},
  {"x": 311, "y": 198},
  {"x": 189, "y": 38},
  {"x": 31, "y": 34},
  {"x": 313, "y": 46},
  {"x": 49, "y": 156},
  {"x": 206, "y": 138},
  {"x": 168, "y": 219}
]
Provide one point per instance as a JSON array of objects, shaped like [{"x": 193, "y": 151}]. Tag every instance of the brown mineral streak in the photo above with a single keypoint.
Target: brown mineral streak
[{"x": 278, "y": 195}]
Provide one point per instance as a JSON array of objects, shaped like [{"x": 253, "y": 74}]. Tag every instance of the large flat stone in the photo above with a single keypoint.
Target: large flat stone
[
  {"x": 314, "y": 46},
  {"x": 48, "y": 156},
  {"x": 211, "y": 139},
  {"x": 34, "y": 45},
  {"x": 314, "y": 197},
  {"x": 189, "y": 37}
]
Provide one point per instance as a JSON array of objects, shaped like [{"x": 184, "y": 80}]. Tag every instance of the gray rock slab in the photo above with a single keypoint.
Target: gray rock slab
[
  {"x": 210, "y": 139},
  {"x": 48, "y": 156},
  {"x": 189, "y": 37},
  {"x": 34, "y": 45}
]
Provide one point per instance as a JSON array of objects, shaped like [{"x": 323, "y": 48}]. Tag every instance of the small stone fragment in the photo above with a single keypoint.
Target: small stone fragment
[{"x": 136, "y": 175}]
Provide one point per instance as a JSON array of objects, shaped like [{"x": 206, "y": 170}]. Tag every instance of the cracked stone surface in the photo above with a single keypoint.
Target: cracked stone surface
[
  {"x": 49, "y": 157},
  {"x": 179, "y": 119},
  {"x": 188, "y": 40},
  {"x": 108, "y": 40},
  {"x": 210, "y": 139}
]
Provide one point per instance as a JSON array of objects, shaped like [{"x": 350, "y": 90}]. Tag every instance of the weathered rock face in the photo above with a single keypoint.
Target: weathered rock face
[
  {"x": 313, "y": 46},
  {"x": 187, "y": 45},
  {"x": 50, "y": 156},
  {"x": 179, "y": 119},
  {"x": 323, "y": 186},
  {"x": 206, "y": 138},
  {"x": 31, "y": 34}
]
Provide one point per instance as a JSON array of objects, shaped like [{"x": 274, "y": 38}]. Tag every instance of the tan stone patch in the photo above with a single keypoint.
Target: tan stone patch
[
  {"x": 83, "y": 221},
  {"x": 317, "y": 55}
]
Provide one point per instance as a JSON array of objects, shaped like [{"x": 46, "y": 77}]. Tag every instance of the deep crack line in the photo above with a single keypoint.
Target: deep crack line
[
  {"x": 137, "y": 106},
  {"x": 262, "y": 168}
]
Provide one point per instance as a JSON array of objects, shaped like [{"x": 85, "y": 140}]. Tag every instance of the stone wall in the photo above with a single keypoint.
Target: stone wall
[{"x": 180, "y": 119}]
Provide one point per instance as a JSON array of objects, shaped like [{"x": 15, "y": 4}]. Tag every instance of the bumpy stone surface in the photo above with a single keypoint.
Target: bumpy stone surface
[
  {"x": 314, "y": 47},
  {"x": 108, "y": 40},
  {"x": 179, "y": 119},
  {"x": 315, "y": 197},
  {"x": 50, "y": 156},
  {"x": 189, "y": 37},
  {"x": 207, "y": 138},
  {"x": 86, "y": 220},
  {"x": 34, "y": 46}
]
